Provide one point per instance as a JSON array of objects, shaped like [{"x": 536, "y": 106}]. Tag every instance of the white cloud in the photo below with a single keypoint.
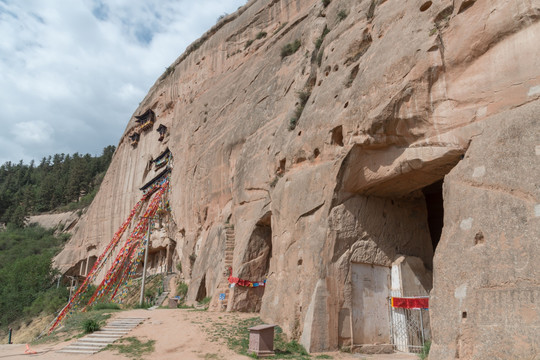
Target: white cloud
[
  {"x": 31, "y": 133},
  {"x": 73, "y": 72}
]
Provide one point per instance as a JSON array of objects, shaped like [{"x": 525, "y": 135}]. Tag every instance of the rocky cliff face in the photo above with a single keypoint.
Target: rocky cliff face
[{"x": 345, "y": 152}]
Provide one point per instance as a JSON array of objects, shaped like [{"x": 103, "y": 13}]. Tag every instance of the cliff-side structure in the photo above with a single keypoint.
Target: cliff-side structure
[{"x": 347, "y": 153}]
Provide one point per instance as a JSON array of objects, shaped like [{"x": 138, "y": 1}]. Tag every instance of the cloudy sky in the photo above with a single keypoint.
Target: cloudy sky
[{"x": 73, "y": 71}]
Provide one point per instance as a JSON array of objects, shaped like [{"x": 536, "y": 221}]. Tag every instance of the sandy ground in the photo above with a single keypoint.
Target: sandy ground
[{"x": 179, "y": 334}]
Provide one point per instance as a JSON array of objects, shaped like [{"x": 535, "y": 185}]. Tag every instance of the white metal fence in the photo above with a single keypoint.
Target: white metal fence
[{"x": 410, "y": 328}]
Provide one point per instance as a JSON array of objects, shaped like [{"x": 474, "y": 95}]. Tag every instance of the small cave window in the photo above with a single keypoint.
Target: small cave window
[
  {"x": 337, "y": 136},
  {"x": 162, "y": 130}
]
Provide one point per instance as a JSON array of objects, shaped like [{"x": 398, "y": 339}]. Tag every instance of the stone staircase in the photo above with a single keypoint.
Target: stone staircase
[
  {"x": 160, "y": 300},
  {"x": 96, "y": 341},
  {"x": 166, "y": 291},
  {"x": 223, "y": 287}
]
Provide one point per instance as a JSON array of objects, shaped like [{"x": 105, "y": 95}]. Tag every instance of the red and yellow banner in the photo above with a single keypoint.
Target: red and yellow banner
[{"x": 411, "y": 303}]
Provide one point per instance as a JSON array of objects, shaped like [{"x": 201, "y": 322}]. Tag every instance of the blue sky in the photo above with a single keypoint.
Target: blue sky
[{"x": 73, "y": 71}]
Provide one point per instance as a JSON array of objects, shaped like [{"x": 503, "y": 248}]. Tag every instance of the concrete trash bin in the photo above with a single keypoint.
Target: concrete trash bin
[{"x": 261, "y": 340}]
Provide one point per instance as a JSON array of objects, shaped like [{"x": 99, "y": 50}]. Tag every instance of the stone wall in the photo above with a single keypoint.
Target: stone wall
[{"x": 400, "y": 95}]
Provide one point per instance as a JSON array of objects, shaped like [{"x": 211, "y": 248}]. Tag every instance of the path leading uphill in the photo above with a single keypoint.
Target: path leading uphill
[
  {"x": 179, "y": 334},
  {"x": 92, "y": 343}
]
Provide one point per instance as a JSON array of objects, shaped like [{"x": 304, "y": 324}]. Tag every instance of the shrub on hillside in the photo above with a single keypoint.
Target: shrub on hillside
[
  {"x": 290, "y": 48},
  {"x": 90, "y": 326}
]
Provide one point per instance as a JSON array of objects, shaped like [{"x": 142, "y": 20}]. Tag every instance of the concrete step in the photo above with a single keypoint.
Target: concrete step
[
  {"x": 84, "y": 347},
  {"x": 96, "y": 344},
  {"x": 113, "y": 332},
  {"x": 120, "y": 326},
  {"x": 106, "y": 336},
  {"x": 122, "y": 330},
  {"x": 74, "y": 351},
  {"x": 97, "y": 340},
  {"x": 136, "y": 320},
  {"x": 124, "y": 324}
]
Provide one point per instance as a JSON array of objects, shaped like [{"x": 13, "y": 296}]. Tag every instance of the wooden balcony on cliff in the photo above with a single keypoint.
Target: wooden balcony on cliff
[
  {"x": 155, "y": 179},
  {"x": 162, "y": 159},
  {"x": 146, "y": 120}
]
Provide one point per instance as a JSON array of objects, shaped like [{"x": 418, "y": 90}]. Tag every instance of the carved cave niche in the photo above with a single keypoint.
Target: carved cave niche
[{"x": 255, "y": 266}]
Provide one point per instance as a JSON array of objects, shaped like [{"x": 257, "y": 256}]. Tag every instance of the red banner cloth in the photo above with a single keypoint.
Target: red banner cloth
[{"x": 411, "y": 303}]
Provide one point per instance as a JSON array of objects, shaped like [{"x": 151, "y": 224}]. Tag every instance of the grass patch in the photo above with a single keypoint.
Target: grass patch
[
  {"x": 74, "y": 326},
  {"x": 133, "y": 347},
  {"x": 206, "y": 300},
  {"x": 168, "y": 71},
  {"x": 144, "y": 305},
  {"x": 342, "y": 14},
  {"x": 290, "y": 48},
  {"x": 211, "y": 356},
  {"x": 281, "y": 27},
  {"x": 236, "y": 336},
  {"x": 319, "y": 57},
  {"x": 261, "y": 35},
  {"x": 181, "y": 291},
  {"x": 105, "y": 306},
  {"x": 76, "y": 321},
  {"x": 323, "y": 356},
  {"x": 425, "y": 350},
  {"x": 248, "y": 43},
  {"x": 320, "y": 39},
  {"x": 303, "y": 97},
  {"x": 90, "y": 326},
  {"x": 154, "y": 287},
  {"x": 184, "y": 306},
  {"x": 326, "y": 3}
]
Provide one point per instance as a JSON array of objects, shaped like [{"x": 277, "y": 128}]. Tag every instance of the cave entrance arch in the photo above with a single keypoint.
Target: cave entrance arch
[
  {"x": 201, "y": 293},
  {"x": 255, "y": 266},
  {"x": 395, "y": 197}
]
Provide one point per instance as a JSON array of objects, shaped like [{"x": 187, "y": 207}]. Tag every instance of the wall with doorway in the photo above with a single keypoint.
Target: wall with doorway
[{"x": 375, "y": 232}]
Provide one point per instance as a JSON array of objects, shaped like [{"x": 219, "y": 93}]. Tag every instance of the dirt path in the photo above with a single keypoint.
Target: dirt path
[{"x": 179, "y": 334}]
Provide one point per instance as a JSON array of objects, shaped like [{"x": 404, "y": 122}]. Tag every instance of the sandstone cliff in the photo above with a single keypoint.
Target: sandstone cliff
[
  {"x": 66, "y": 221},
  {"x": 298, "y": 167}
]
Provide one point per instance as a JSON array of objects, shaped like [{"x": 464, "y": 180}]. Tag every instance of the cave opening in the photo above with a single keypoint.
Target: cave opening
[
  {"x": 255, "y": 266},
  {"x": 201, "y": 293},
  {"x": 433, "y": 196}
]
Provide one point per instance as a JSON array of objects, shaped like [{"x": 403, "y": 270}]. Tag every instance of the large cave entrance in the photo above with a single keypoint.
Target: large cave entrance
[{"x": 393, "y": 197}]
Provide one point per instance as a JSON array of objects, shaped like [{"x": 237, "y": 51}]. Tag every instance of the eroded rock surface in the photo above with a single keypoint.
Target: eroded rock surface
[
  {"x": 65, "y": 222},
  {"x": 402, "y": 97}
]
